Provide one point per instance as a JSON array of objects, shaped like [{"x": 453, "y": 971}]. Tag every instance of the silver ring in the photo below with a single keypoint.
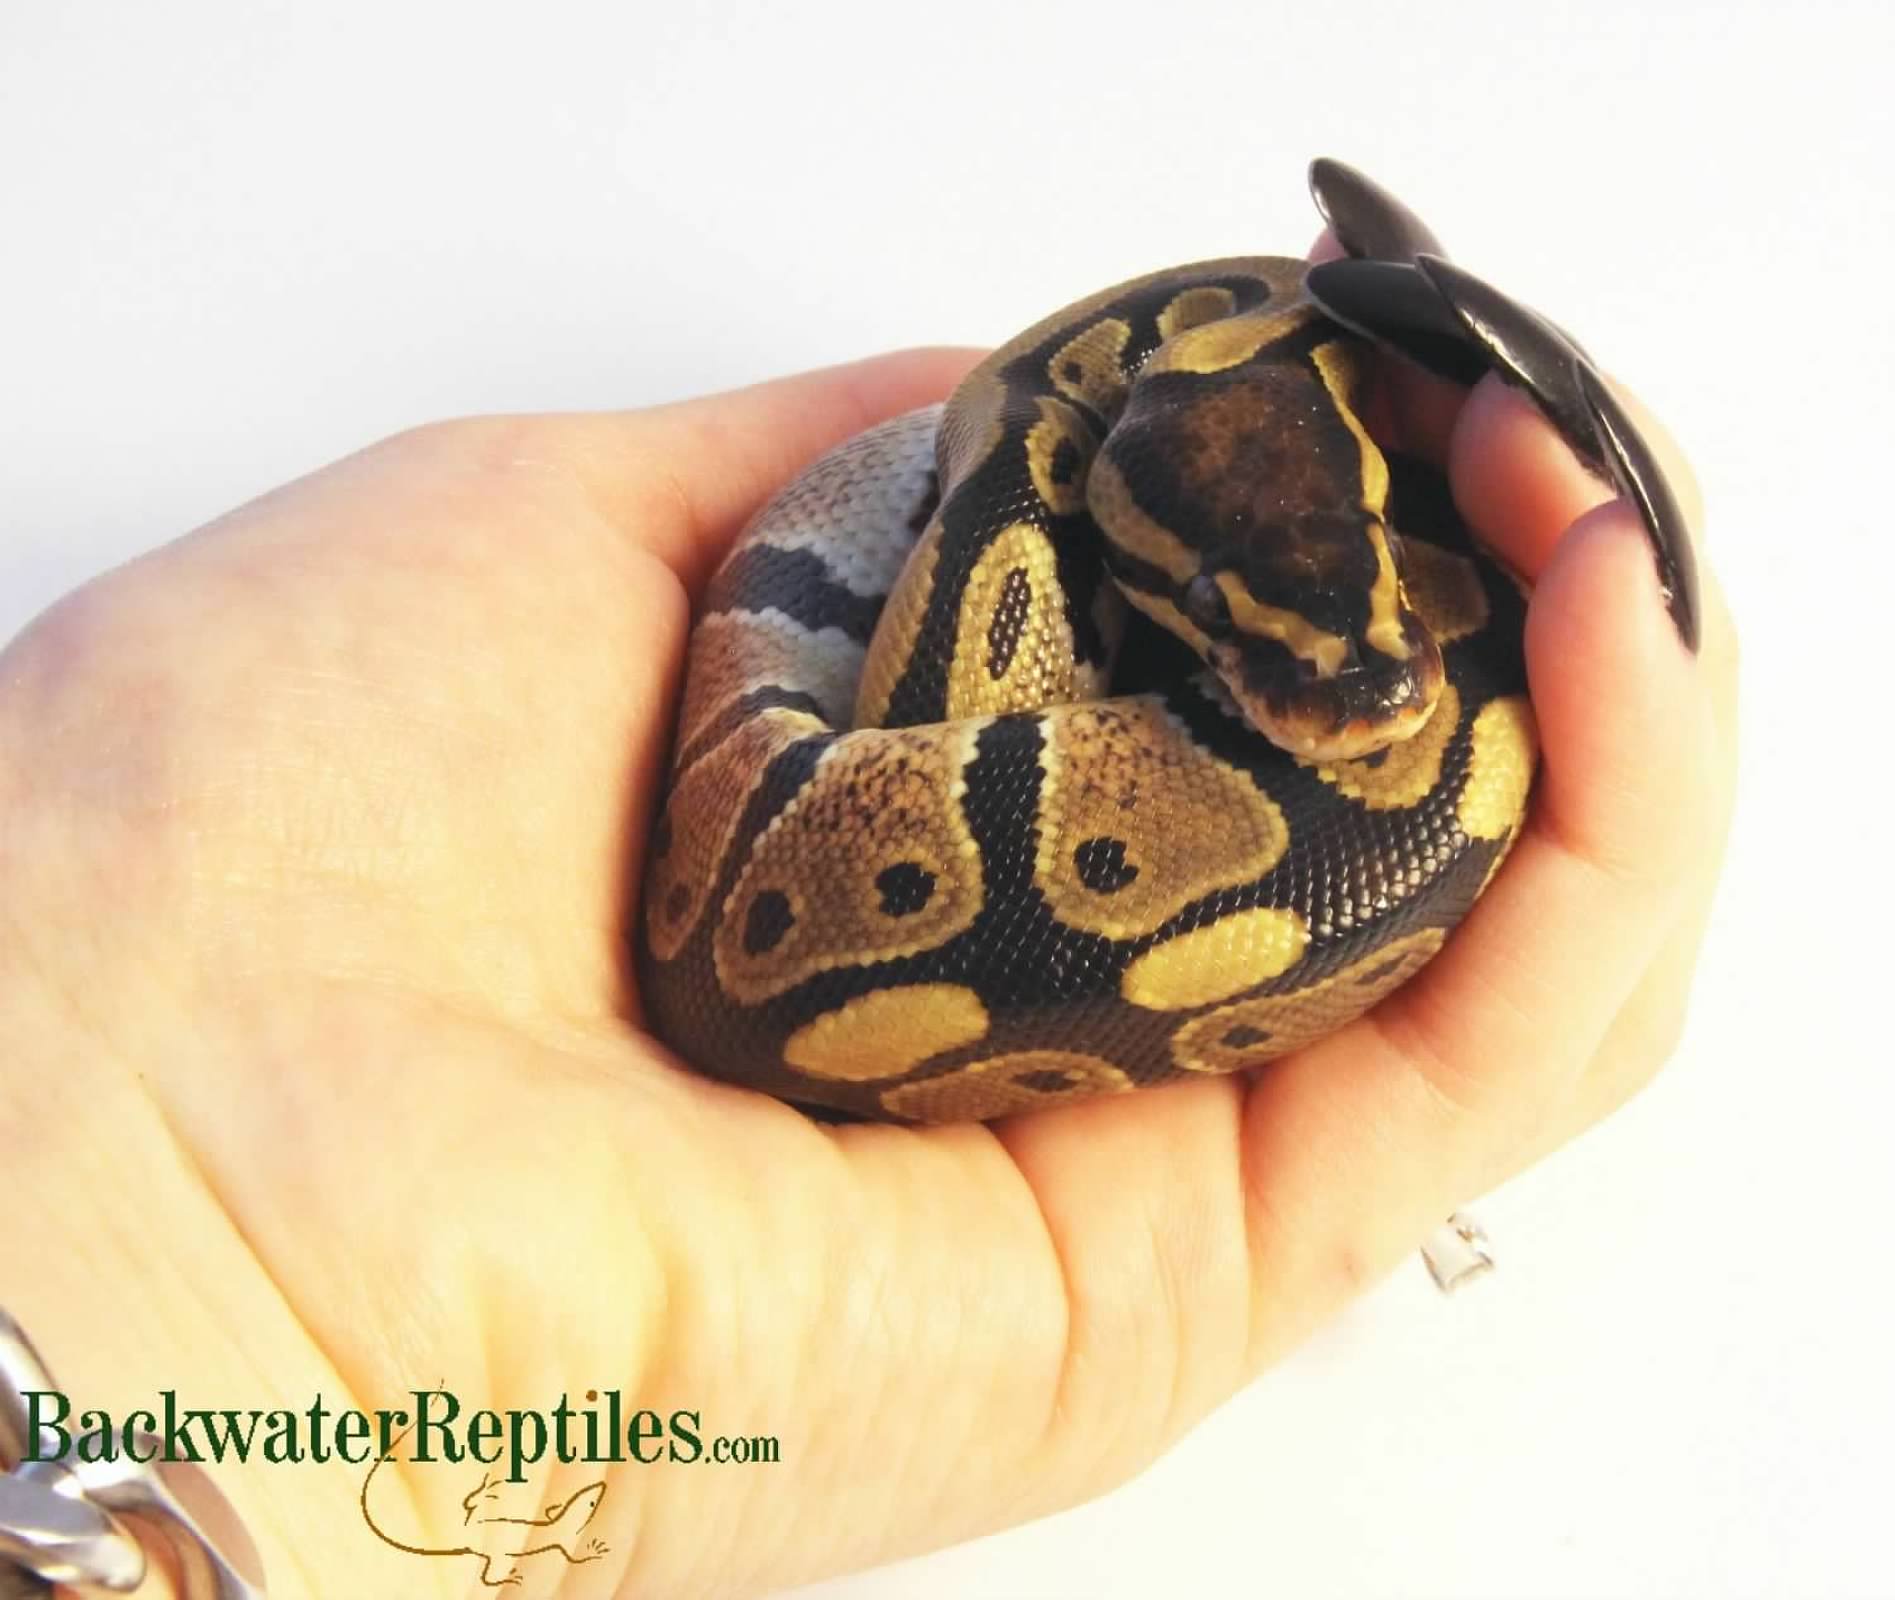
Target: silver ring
[{"x": 1457, "y": 1253}]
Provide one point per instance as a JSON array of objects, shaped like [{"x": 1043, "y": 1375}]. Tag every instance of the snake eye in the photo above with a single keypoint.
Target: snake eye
[{"x": 1204, "y": 605}]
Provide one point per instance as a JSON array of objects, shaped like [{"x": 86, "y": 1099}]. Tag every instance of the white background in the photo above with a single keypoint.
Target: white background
[{"x": 238, "y": 239}]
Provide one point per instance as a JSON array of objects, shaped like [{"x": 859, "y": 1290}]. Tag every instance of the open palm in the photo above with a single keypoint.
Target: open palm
[{"x": 319, "y": 834}]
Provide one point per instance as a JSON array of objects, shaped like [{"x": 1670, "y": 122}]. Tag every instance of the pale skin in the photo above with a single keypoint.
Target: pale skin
[{"x": 319, "y": 831}]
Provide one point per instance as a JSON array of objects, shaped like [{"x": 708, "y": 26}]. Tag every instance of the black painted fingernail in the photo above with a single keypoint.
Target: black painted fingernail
[
  {"x": 1366, "y": 219},
  {"x": 1525, "y": 349},
  {"x": 1396, "y": 305},
  {"x": 1641, "y": 480}
]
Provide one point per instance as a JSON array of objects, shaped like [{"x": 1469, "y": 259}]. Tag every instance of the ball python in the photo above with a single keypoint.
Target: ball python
[{"x": 1131, "y": 717}]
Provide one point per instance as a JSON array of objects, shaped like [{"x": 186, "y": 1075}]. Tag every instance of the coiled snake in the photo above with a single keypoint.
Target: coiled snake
[{"x": 1132, "y": 716}]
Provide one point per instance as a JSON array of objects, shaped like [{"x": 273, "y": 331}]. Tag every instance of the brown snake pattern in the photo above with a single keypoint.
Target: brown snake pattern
[{"x": 1132, "y": 716}]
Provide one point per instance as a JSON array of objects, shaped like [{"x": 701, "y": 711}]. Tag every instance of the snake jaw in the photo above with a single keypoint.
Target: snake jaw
[
  {"x": 1307, "y": 622},
  {"x": 1373, "y": 702}
]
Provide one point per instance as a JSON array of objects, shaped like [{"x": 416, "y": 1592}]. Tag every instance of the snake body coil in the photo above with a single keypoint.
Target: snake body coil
[{"x": 1132, "y": 716}]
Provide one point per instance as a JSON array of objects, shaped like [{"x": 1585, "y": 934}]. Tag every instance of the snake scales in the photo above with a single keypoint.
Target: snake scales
[{"x": 1132, "y": 716}]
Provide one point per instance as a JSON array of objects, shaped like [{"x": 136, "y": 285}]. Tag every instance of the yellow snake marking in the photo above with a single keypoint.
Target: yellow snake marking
[
  {"x": 1169, "y": 617},
  {"x": 1022, "y": 1081},
  {"x": 1136, "y": 819},
  {"x": 1216, "y": 961},
  {"x": 1059, "y": 449},
  {"x": 870, "y": 861},
  {"x": 1012, "y": 618},
  {"x": 1254, "y": 1031},
  {"x": 1282, "y": 278},
  {"x": 1342, "y": 369},
  {"x": 1128, "y": 527},
  {"x": 1205, "y": 302},
  {"x": 1323, "y": 650},
  {"x": 887, "y": 1032},
  {"x": 1086, "y": 367},
  {"x": 1505, "y": 744},
  {"x": 735, "y": 652},
  {"x": 707, "y": 801},
  {"x": 1229, "y": 342},
  {"x": 897, "y": 630},
  {"x": 1384, "y": 631},
  {"x": 1406, "y": 772},
  {"x": 1444, "y": 590}
]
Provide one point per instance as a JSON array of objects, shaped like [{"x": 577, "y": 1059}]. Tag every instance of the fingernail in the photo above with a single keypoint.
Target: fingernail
[
  {"x": 1366, "y": 219},
  {"x": 1394, "y": 304},
  {"x": 1633, "y": 467},
  {"x": 1523, "y": 347},
  {"x": 1459, "y": 326}
]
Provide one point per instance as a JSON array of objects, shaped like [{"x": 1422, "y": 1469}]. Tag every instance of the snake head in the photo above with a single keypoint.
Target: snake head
[
  {"x": 1244, "y": 509},
  {"x": 1309, "y": 630}
]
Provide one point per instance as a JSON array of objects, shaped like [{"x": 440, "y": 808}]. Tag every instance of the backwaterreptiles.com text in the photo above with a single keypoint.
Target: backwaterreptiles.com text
[{"x": 601, "y": 1429}]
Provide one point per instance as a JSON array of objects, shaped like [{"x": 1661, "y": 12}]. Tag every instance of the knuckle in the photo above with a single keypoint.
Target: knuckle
[
  {"x": 1645, "y": 864},
  {"x": 77, "y": 658},
  {"x": 493, "y": 445}
]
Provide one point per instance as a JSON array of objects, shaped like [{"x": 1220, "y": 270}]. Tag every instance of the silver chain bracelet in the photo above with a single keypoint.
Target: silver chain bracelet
[{"x": 89, "y": 1525}]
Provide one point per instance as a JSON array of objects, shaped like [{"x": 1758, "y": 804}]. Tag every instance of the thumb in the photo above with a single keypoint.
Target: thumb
[{"x": 682, "y": 479}]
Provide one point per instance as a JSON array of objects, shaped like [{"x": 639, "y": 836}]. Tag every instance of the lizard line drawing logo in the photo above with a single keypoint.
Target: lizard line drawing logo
[{"x": 559, "y": 1529}]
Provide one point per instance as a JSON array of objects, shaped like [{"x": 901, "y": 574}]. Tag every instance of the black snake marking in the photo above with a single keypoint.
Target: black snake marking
[{"x": 1132, "y": 716}]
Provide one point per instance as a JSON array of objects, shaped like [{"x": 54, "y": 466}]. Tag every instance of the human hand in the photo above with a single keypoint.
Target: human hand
[{"x": 319, "y": 831}]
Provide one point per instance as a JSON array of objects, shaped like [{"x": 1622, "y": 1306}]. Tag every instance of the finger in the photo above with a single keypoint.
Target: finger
[
  {"x": 682, "y": 479},
  {"x": 1357, "y": 1146},
  {"x": 1418, "y": 409},
  {"x": 1326, "y": 248},
  {"x": 1626, "y": 790},
  {"x": 1642, "y": 1036},
  {"x": 1520, "y": 486}
]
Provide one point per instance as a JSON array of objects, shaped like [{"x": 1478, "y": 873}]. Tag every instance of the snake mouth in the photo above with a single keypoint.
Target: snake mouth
[
  {"x": 1317, "y": 739},
  {"x": 1342, "y": 717}
]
